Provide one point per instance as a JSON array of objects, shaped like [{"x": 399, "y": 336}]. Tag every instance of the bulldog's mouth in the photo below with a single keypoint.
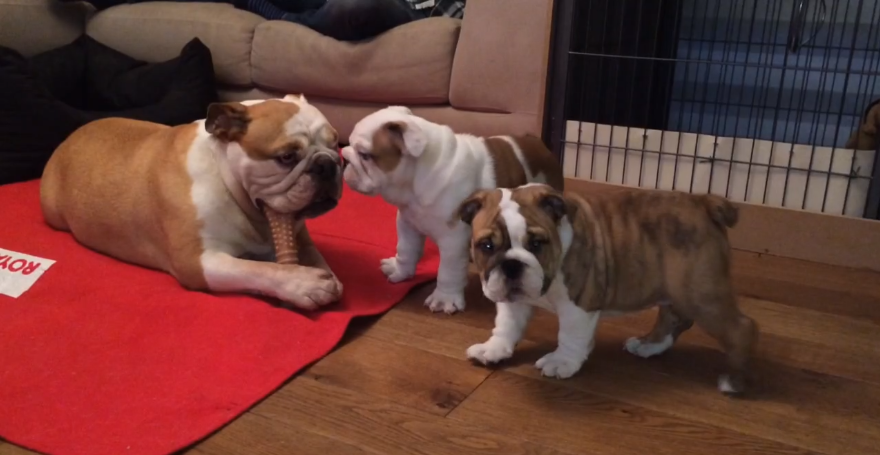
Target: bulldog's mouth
[
  {"x": 515, "y": 293},
  {"x": 318, "y": 207}
]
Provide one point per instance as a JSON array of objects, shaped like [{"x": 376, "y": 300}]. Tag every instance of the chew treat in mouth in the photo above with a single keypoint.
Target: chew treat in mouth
[{"x": 283, "y": 227}]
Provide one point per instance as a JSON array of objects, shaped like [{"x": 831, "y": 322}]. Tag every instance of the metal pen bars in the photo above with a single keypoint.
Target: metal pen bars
[{"x": 755, "y": 100}]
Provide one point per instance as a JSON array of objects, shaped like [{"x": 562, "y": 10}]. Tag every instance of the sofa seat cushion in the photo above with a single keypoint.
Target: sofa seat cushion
[
  {"x": 410, "y": 64},
  {"x": 155, "y": 31}
]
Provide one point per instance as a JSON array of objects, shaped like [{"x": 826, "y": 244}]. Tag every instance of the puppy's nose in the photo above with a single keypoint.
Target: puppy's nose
[
  {"x": 512, "y": 269},
  {"x": 323, "y": 168}
]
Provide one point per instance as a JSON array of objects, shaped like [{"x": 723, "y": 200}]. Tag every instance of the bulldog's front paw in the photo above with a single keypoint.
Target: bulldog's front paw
[
  {"x": 396, "y": 272},
  {"x": 310, "y": 287},
  {"x": 558, "y": 365},
  {"x": 492, "y": 351},
  {"x": 445, "y": 302}
]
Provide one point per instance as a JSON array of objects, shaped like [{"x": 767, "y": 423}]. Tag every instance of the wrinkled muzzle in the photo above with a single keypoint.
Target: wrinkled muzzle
[
  {"x": 355, "y": 173},
  {"x": 514, "y": 276},
  {"x": 325, "y": 171},
  {"x": 319, "y": 186}
]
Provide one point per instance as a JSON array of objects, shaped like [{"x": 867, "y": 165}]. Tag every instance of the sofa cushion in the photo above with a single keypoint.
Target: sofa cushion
[
  {"x": 34, "y": 26},
  {"x": 47, "y": 97},
  {"x": 410, "y": 64},
  {"x": 155, "y": 31}
]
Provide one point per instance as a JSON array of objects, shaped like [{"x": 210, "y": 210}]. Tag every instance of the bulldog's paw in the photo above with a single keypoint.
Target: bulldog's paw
[
  {"x": 558, "y": 365},
  {"x": 310, "y": 287},
  {"x": 338, "y": 286},
  {"x": 445, "y": 302},
  {"x": 492, "y": 351},
  {"x": 396, "y": 272},
  {"x": 636, "y": 346}
]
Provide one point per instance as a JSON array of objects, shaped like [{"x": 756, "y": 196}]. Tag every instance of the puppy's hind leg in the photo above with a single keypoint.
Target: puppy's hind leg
[
  {"x": 737, "y": 334},
  {"x": 668, "y": 327}
]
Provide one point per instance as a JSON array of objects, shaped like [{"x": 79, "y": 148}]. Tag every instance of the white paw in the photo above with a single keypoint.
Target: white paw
[
  {"x": 447, "y": 303},
  {"x": 491, "y": 351},
  {"x": 636, "y": 346},
  {"x": 395, "y": 272},
  {"x": 728, "y": 386},
  {"x": 309, "y": 288},
  {"x": 558, "y": 365}
]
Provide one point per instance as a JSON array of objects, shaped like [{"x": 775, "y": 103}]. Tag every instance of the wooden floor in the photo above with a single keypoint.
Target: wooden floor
[{"x": 400, "y": 384}]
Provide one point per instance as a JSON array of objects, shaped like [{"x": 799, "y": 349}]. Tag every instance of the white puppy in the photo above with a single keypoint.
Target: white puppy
[{"x": 427, "y": 170}]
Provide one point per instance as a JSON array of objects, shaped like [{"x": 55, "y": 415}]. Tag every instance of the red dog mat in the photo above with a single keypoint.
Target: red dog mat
[{"x": 101, "y": 357}]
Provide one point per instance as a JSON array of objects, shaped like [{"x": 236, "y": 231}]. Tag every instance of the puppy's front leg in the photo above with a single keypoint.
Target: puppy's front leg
[
  {"x": 304, "y": 287},
  {"x": 511, "y": 320},
  {"x": 448, "y": 296},
  {"x": 577, "y": 328},
  {"x": 410, "y": 246}
]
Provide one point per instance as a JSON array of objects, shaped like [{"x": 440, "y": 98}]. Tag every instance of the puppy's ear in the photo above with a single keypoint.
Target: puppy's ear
[
  {"x": 227, "y": 121},
  {"x": 402, "y": 109},
  {"x": 296, "y": 98},
  {"x": 469, "y": 208},
  {"x": 556, "y": 205},
  {"x": 407, "y": 136}
]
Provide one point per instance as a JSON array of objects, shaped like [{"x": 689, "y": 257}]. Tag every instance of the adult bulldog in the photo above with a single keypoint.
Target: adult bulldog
[{"x": 205, "y": 201}]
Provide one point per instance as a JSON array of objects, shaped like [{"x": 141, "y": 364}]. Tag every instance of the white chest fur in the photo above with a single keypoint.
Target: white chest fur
[{"x": 225, "y": 227}]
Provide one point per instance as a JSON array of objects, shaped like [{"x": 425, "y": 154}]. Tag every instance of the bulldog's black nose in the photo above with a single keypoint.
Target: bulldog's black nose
[
  {"x": 512, "y": 269},
  {"x": 323, "y": 168}
]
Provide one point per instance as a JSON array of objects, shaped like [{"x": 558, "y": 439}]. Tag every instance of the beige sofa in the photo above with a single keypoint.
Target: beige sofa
[{"x": 483, "y": 75}]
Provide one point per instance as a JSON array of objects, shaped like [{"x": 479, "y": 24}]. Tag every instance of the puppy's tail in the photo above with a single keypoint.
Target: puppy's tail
[{"x": 721, "y": 210}]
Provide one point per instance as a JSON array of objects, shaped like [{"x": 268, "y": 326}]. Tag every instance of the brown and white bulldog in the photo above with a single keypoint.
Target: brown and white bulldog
[
  {"x": 616, "y": 253},
  {"x": 196, "y": 200},
  {"x": 426, "y": 170}
]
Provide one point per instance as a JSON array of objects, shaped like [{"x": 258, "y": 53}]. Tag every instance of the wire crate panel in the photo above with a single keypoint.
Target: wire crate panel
[
  {"x": 760, "y": 101},
  {"x": 806, "y": 177}
]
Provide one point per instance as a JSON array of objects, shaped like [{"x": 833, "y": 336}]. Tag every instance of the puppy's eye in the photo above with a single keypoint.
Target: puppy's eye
[
  {"x": 486, "y": 246},
  {"x": 365, "y": 156},
  {"x": 286, "y": 159},
  {"x": 534, "y": 245}
]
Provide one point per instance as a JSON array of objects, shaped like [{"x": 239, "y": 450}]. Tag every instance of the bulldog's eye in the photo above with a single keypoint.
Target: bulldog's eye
[
  {"x": 365, "y": 156},
  {"x": 286, "y": 159},
  {"x": 486, "y": 245},
  {"x": 534, "y": 245}
]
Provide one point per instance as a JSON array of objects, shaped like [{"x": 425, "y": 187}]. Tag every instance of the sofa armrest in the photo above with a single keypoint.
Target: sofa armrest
[
  {"x": 34, "y": 26},
  {"x": 502, "y": 55}
]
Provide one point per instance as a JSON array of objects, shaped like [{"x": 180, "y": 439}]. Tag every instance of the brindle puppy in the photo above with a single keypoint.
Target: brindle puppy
[{"x": 623, "y": 252}]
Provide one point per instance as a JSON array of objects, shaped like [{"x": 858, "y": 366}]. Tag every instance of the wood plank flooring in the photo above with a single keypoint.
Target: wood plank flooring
[{"x": 400, "y": 384}]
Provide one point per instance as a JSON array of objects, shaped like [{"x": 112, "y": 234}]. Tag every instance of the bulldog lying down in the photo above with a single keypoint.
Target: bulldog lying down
[
  {"x": 579, "y": 258},
  {"x": 196, "y": 200},
  {"x": 427, "y": 170}
]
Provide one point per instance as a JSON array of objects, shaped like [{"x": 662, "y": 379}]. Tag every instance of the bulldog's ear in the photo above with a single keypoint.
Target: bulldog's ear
[
  {"x": 408, "y": 137},
  {"x": 471, "y": 206},
  {"x": 556, "y": 205},
  {"x": 227, "y": 121}
]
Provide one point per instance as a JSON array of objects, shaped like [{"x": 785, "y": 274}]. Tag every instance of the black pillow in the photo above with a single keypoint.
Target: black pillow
[{"x": 45, "y": 98}]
